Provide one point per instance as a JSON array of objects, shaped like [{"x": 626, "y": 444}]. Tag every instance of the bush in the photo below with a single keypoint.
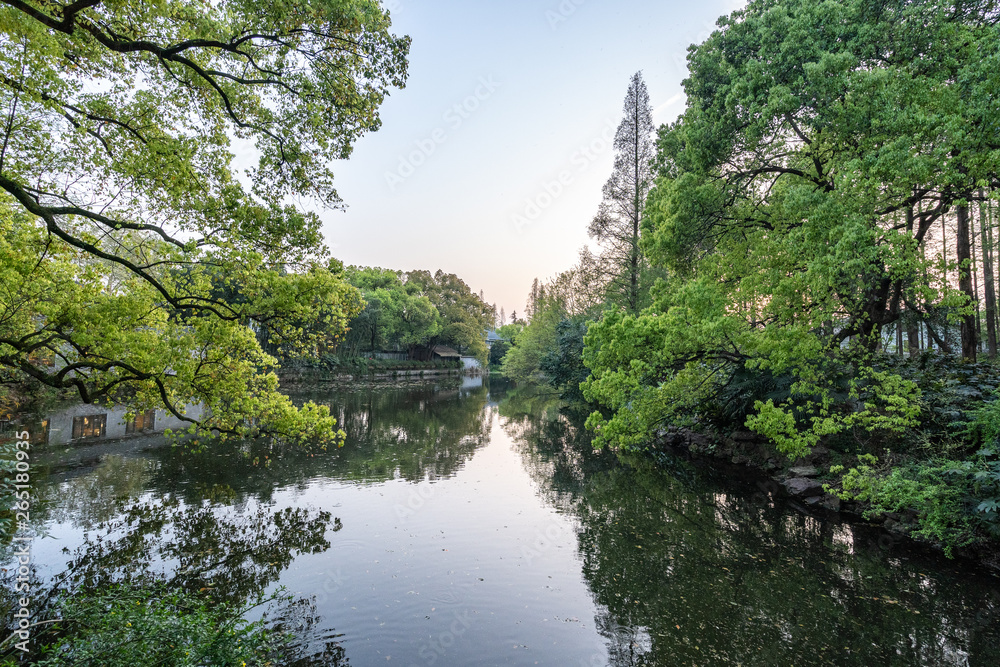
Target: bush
[
  {"x": 956, "y": 501},
  {"x": 127, "y": 626}
]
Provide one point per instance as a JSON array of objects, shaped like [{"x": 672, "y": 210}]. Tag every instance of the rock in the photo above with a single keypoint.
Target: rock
[
  {"x": 820, "y": 450},
  {"x": 803, "y": 487},
  {"x": 744, "y": 436},
  {"x": 804, "y": 471},
  {"x": 830, "y": 502},
  {"x": 699, "y": 440}
]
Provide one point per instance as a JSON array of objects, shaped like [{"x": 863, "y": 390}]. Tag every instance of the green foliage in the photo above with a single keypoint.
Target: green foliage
[
  {"x": 498, "y": 350},
  {"x": 465, "y": 317},
  {"x": 396, "y": 314},
  {"x": 125, "y": 626},
  {"x": 563, "y": 363},
  {"x": 368, "y": 365},
  {"x": 819, "y": 144},
  {"x": 415, "y": 309},
  {"x": 955, "y": 501},
  {"x": 510, "y": 332},
  {"x": 523, "y": 363},
  {"x": 131, "y": 256}
]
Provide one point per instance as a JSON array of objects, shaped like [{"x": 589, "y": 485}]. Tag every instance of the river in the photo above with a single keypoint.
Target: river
[{"x": 470, "y": 525}]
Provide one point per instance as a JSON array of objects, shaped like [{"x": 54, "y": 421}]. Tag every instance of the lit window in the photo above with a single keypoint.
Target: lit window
[
  {"x": 89, "y": 426},
  {"x": 142, "y": 422}
]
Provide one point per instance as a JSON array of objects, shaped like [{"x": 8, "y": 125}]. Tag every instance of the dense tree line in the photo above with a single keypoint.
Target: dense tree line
[
  {"x": 414, "y": 311},
  {"x": 794, "y": 208},
  {"x": 825, "y": 205}
]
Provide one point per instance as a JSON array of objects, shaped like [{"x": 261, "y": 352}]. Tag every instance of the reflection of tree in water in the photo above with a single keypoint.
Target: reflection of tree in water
[
  {"x": 552, "y": 443},
  {"x": 686, "y": 573},
  {"x": 210, "y": 531},
  {"x": 235, "y": 552},
  {"x": 96, "y": 495},
  {"x": 405, "y": 433},
  {"x": 230, "y": 554},
  {"x": 410, "y": 434}
]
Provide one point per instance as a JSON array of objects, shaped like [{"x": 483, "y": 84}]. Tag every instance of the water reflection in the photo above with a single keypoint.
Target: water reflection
[
  {"x": 661, "y": 560},
  {"x": 688, "y": 568}
]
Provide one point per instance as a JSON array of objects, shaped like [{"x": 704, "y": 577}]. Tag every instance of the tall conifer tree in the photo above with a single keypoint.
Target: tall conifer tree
[{"x": 616, "y": 225}]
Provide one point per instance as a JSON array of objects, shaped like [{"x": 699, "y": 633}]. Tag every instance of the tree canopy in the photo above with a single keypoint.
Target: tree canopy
[
  {"x": 616, "y": 227},
  {"x": 126, "y": 224},
  {"x": 820, "y": 144},
  {"x": 465, "y": 317}
]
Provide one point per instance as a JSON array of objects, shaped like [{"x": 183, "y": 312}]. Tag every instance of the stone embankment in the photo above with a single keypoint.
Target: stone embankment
[
  {"x": 802, "y": 480},
  {"x": 293, "y": 378}
]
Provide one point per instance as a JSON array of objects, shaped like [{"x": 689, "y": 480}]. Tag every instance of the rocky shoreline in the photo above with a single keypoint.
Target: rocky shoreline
[{"x": 805, "y": 480}]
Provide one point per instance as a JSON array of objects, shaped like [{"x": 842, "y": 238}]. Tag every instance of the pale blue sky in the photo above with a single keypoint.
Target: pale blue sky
[{"x": 504, "y": 98}]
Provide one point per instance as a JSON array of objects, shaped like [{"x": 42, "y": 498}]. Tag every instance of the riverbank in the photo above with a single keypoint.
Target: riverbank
[
  {"x": 815, "y": 482},
  {"x": 297, "y": 378}
]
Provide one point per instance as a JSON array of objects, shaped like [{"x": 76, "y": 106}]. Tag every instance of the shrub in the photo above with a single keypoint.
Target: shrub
[
  {"x": 126, "y": 626},
  {"x": 956, "y": 501}
]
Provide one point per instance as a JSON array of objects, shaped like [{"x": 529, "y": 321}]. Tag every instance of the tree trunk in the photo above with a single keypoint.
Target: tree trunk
[
  {"x": 912, "y": 323},
  {"x": 975, "y": 282},
  {"x": 989, "y": 292},
  {"x": 636, "y": 212},
  {"x": 963, "y": 252},
  {"x": 941, "y": 342}
]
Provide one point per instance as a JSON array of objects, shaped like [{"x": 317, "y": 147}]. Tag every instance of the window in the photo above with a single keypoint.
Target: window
[
  {"x": 142, "y": 422},
  {"x": 89, "y": 426},
  {"x": 40, "y": 436}
]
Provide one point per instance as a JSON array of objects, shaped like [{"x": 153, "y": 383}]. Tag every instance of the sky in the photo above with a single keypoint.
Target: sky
[{"x": 490, "y": 163}]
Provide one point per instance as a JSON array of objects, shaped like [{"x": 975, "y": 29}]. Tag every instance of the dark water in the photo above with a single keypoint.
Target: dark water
[{"x": 474, "y": 527}]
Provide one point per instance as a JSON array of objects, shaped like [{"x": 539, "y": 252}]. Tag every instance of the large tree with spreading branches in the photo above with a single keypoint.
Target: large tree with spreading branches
[
  {"x": 798, "y": 194},
  {"x": 136, "y": 260}
]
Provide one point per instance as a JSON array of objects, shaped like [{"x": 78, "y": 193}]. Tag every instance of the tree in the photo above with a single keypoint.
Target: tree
[
  {"x": 796, "y": 196},
  {"x": 123, "y": 213},
  {"x": 616, "y": 227},
  {"x": 465, "y": 317},
  {"x": 523, "y": 362},
  {"x": 396, "y": 315},
  {"x": 498, "y": 350}
]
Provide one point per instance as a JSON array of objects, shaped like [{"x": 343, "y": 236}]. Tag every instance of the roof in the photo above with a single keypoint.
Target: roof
[
  {"x": 445, "y": 351},
  {"x": 492, "y": 336}
]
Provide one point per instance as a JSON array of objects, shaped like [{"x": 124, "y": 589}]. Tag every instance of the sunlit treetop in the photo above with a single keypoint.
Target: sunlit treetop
[
  {"x": 119, "y": 122},
  {"x": 124, "y": 113}
]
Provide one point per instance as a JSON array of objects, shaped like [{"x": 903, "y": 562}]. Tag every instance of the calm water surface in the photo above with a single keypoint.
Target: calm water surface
[{"x": 470, "y": 526}]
